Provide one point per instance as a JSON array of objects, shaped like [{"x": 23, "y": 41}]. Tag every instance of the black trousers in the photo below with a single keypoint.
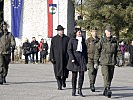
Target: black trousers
[
  {"x": 36, "y": 53},
  {"x": 80, "y": 80},
  {"x": 60, "y": 80},
  {"x": 26, "y": 59}
]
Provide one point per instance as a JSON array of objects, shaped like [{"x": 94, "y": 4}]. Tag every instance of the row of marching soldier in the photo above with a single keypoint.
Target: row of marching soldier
[{"x": 73, "y": 54}]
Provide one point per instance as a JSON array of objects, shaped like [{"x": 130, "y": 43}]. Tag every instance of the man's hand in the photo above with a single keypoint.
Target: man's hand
[
  {"x": 96, "y": 66},
  {"x": 73, "y": 61}
]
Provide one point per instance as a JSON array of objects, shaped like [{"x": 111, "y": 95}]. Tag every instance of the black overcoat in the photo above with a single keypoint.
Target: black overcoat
[
  {"x": 81, "y": 59},
  {"x": 58, "y": 54}
]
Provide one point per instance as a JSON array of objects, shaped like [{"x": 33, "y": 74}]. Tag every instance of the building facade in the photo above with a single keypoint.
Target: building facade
[{"x": 35, "y": 18}]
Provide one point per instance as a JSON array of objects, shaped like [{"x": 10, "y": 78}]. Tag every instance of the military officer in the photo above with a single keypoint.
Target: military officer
[
  {"x": 92, "y": 45},
  {"x": 7, "y": 42},
  {"x": 107, "y": 53}
]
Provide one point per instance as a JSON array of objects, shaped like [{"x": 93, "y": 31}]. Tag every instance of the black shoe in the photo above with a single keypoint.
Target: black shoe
[
  {"x": 4, "y": 80},
  {"x": 59, "y": 88},
  {"x": 80, "y": 93},
  {"x": 64, "y": 84},
  {"x": 1, "y": 81},
  {"x": 74, "y": 92},
  {"x": 92, "y": 87}
]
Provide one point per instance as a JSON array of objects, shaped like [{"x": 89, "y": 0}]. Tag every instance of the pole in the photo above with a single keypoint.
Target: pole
[{"x": 81, "y": 8}]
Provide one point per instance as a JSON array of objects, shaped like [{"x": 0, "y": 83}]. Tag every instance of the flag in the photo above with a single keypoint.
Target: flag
[
  {"x": 16, "y": 16},
  {"x": 52, "y": 8},
  {"x": 50, "y": 19}
]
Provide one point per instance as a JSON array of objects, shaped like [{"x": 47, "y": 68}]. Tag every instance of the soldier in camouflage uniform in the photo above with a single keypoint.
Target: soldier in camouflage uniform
[
  {"x": 106, "y": 53},
  {"x": 92, "y": 45},
  {"x": 7, "y": 42}
]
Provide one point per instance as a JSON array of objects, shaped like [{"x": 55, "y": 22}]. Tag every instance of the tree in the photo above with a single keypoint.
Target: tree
[{"x": 117, "y": 13}]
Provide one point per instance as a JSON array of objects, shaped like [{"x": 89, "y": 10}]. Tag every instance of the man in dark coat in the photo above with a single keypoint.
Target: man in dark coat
[
  {"x": 7, "y": 42},
  {"x": 59, "y": 56},
  {"x": 34, "y": 49}
]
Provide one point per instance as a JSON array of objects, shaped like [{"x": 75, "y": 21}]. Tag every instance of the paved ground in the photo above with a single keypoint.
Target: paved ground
[{"x": 36, "y": 82}]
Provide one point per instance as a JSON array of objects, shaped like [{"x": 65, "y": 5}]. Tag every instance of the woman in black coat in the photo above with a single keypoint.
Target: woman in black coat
[
  {"x": 77, "y": 51},
  {"x": 26, "y": 50},
  {"x": 44, "y": 51}
]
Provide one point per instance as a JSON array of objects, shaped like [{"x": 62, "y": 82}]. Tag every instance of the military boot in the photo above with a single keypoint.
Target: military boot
[
  {"x": 105, "y": 92},
  {"x": 109, "y": 93},
  {"x": 92, "y": 87}
]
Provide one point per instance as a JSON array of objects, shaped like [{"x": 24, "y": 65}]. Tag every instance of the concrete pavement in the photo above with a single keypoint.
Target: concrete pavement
[{"x": 37, "y": 82}]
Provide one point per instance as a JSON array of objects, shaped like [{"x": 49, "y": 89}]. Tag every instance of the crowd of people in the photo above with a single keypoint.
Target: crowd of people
[
  {"x": 31, "y": 50},
  {"x": 75, "y": 54}
]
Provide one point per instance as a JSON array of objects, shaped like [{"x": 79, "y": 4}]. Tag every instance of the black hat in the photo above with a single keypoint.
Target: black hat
[
  {"x": 109, "y": 28},
  {"x": 59, "y": 27}
]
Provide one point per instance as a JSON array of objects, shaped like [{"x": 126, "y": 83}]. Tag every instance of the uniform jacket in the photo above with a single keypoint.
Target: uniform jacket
[
  {"x": 80, "y": 63},
  {"x": 6, "y": 42},
  {"x": 58, "y": 54},
  {"x": 92, "y": 44},
  {"x": 107, "y": 51}
]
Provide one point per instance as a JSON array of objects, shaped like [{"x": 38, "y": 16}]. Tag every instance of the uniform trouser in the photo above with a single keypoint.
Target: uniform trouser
[
  {"x": 36, "y": 56},
  {"x": 92, "y": 72},
  {"x": 60, "y": 80},
  {"x": 107, "y": 72},
  {"x": 4, "y": 62},
  {"x": 80, "y": 81}
]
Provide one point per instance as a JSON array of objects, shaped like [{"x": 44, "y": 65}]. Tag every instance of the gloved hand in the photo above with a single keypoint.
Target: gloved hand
[{"x": 96, "y": 66}]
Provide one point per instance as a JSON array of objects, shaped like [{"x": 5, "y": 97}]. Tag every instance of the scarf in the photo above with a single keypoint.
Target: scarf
[{"x": 79, "y": 46}]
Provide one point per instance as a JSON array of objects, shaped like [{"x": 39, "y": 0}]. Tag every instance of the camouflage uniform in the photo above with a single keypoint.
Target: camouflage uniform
[
  {"x": 92, "y": 45},
  {"x": 107, "y": 53},
  {"x": 6, "y": 42}
]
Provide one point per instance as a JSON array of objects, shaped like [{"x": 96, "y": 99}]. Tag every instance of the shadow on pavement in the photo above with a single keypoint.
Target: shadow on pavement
[{"x": 43, "y": 82}]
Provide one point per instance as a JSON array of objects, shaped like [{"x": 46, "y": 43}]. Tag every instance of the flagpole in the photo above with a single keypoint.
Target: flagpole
[{"x": 58, "y": 12}]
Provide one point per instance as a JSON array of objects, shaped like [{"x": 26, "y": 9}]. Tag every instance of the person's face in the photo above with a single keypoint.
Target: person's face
[
  {"x": 93, "y": 33},
  {"x": 4, "y": 27},
  {"x": 42, "y": 41},
  {"x": 34, "y": 39},
  {"x": 60, "y": 32},
  {"x": 107, "y": 33},
  {"x": 78, "y": 33}
]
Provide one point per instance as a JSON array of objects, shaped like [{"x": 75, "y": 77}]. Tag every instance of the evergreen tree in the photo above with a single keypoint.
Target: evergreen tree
[{"x": 117, "y": 13}]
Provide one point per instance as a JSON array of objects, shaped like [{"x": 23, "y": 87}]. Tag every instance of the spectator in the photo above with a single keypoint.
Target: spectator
[
  {"x": 26, "y": 50},
  {"x": 34, "y": 49}
]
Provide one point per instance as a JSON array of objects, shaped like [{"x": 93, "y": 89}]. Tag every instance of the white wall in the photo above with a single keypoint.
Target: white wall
[{"x": 35, "y": 18}]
